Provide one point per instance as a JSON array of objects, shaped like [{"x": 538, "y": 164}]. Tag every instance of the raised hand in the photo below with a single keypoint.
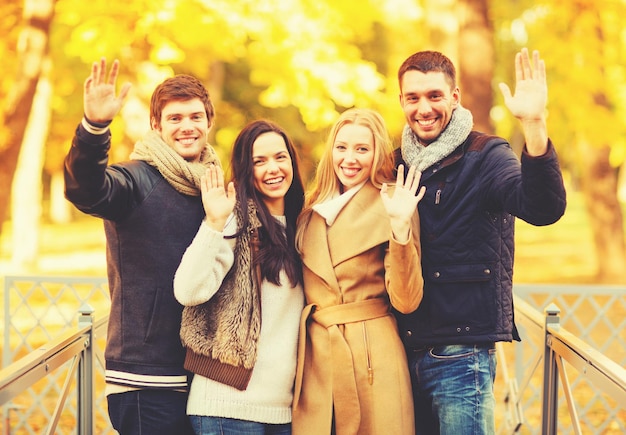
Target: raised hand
[
  {"x": 99, "y": 99},
  {"x": 218, "y": 202},
  {"x": 531, "y": 90},
  {"x": 528, "y": 104},
  {"x": 403, "y": 204}
]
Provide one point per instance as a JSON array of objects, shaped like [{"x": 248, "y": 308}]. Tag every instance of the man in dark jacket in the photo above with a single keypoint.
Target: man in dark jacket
[
  {"x": 475, "y": 186},
  {"x": 151, "y": 210}
]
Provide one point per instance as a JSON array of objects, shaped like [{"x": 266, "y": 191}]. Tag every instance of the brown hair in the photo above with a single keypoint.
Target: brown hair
[
  {"x": 181, "y": 87},
  {"x": 277, "y": 250},
  {"x": 428, "y": 61}
]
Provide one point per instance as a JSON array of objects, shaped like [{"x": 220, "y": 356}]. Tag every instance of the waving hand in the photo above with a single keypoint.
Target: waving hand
[
  {"x": 403, "y": 204},
  {"x": 101, "y": 103},
  {"x": 218, "y": 202},
  {"x": 528, "y": 103}
]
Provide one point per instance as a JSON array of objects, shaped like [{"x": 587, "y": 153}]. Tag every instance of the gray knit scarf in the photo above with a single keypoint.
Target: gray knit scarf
[
  {"x": 423, "y": 157},
  {"x": 227, "y": 327},
  {"x": 182, "y": 175}
]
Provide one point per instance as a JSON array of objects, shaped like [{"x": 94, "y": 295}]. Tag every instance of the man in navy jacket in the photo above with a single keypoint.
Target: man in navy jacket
[{"x": 475, "y": 186}]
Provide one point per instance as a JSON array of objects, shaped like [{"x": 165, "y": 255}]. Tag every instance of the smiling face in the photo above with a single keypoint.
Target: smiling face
[
  {"x": 184, "y": 126},
  {"x": 273, "y": 170},
  {"x": 353, "y": 154},
  {"x": 427, "y": 100}
]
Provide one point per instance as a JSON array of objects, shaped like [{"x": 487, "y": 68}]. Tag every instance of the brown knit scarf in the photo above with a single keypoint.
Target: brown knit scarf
[
  {"x": 184, "y": 176},
  {"x": 227, "y": 327}
]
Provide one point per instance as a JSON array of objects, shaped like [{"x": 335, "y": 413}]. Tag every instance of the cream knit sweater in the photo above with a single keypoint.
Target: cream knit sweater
[{"x": 268, "y": 397}]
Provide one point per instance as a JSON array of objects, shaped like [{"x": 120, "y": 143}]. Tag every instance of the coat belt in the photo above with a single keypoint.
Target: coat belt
[{"x": 345, "y": 397}]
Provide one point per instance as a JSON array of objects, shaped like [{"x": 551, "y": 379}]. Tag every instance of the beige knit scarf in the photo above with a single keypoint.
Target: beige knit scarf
[{"x": 182, "y": 175}]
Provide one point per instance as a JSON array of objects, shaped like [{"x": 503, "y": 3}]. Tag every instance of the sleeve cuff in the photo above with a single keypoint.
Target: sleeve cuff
[
  {"x": 547, "y": 154},
  {"x": 97, "y": 128}
]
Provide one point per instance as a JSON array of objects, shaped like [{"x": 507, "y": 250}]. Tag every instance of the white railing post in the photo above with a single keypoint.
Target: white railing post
[
  {"x": 549, "y": 415},
  {"x": 85, "y": 382}
]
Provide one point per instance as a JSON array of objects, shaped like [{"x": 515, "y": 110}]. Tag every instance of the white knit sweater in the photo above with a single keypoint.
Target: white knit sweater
[{"x": 270, "y": 391}]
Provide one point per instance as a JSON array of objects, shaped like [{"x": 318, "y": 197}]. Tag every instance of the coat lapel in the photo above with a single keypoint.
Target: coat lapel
[
  {"x": 362, "y": 224},
  {"x": 315, "y": 252}
]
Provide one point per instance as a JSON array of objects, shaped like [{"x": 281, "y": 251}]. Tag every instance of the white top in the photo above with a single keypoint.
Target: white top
[
  {"x": 269, "y": 394},
  {"x": 330, "y": 209}
]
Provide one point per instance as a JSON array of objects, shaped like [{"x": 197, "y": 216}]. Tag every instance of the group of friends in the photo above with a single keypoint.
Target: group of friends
[{"x": 369, "y": 303}]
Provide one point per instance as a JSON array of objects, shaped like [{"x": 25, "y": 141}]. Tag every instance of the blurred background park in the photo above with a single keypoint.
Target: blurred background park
[{"x": 301, "y": 63}]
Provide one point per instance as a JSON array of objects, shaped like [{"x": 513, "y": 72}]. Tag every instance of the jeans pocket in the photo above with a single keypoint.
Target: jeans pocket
[{"x": 454, "y": 351}]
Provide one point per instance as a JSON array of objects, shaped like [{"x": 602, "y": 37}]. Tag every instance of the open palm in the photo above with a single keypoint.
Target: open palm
[
  {"x": 531, "y": 90},
  {"x": 218, "y": 202},
  {"x": 401, "y": 206},
  {"x": 99, "y": 99}
]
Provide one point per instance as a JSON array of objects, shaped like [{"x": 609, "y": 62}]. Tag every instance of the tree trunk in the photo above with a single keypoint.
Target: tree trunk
[
  {"x": 216, "y": 90},
  {"x": 599, "y": 186},
  {"x": 32, "y": 47},
  {"x": 60, "y": 210},
  {"x": 26, "y": 202},
  {"x": 443, "y": 27},
  {"x": 476, "y": 62}
]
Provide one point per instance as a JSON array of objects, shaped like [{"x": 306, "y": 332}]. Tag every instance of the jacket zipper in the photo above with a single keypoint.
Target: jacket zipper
[{"x": 440, "y": 187}]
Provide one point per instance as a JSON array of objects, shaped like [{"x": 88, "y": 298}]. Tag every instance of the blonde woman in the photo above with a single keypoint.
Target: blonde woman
[{"x": 359, "y": 242}]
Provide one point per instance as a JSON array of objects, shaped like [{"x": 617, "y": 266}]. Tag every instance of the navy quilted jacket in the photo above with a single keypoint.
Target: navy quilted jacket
[{"x": 467, "y": 228}]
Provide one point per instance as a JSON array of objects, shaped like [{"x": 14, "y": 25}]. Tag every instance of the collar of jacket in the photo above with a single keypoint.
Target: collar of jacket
[{"x": 476, "y": 141}]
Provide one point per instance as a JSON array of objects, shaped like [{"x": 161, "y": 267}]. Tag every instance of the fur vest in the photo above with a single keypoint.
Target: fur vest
[{"x": 220, "y": 335}]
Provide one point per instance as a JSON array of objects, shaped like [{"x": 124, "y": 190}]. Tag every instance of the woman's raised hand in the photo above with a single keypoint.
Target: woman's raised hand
[
  {"x": 403, "y": 204},
  {"x": 218, "y": 202}
]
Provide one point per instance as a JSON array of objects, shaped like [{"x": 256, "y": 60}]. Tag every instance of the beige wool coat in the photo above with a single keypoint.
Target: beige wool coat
[{"x": 352, "y": 375}]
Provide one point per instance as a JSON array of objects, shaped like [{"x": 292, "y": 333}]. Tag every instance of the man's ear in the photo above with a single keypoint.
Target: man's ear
[
  {"x": 154, "y": 124},
  {"x": 456, "y": 98}
]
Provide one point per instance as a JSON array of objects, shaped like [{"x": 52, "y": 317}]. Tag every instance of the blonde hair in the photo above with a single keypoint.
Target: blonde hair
[{"x": 326, "y": 182}]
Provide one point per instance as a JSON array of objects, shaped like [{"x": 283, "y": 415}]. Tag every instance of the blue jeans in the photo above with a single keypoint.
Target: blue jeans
[
  {"x": 203, "y": 425},
  {"x": 453, "y": 389},
  {"x": 154, "y": 412}
]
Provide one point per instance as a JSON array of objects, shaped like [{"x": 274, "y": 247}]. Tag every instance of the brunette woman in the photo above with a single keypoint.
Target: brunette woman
[{"x": 240, "y": 283}]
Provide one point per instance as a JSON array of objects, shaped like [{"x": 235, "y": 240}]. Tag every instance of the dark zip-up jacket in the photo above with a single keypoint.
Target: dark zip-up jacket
[
  {"x": 148, "y": 226},
  {"x": 467, "y": 233}
]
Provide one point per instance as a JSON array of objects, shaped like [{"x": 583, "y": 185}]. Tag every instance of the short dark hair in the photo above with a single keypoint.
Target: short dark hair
[
  {"x": 428, "y": 61},
  {"x": 181, "y": 87}
]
